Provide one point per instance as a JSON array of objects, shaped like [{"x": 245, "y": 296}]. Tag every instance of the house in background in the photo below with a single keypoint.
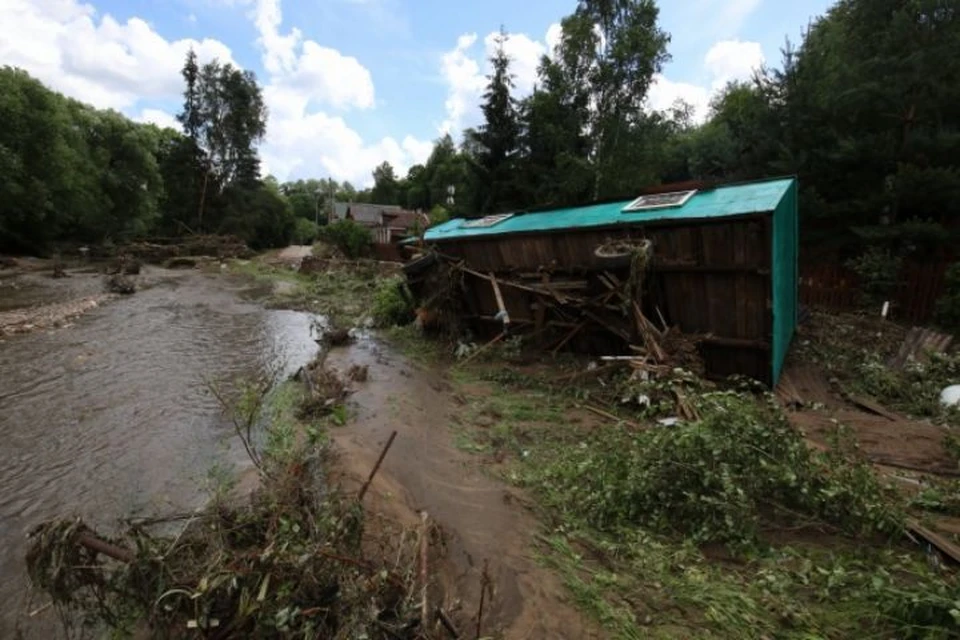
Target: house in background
[{"x": 388, "y": 224}]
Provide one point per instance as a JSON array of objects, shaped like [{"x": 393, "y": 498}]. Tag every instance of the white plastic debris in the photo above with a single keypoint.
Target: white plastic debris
[
  {"x": 950, "y": 397},
  {"x": 668, "y": 422}
]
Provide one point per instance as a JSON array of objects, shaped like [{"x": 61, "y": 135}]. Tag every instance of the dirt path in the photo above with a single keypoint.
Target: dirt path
[{"x": 482, "y": 519}]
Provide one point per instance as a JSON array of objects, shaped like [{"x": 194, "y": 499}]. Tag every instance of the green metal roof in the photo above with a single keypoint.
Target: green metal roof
[{"x": 730, "y": 200}]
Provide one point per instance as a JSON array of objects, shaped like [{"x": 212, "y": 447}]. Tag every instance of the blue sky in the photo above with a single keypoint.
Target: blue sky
[{"x": 351, "y": 83}]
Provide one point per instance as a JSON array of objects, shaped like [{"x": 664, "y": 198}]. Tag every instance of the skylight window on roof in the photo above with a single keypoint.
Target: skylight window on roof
[
  {"x": 486, "y": 221},
  {"x": 659, "y": 201}
]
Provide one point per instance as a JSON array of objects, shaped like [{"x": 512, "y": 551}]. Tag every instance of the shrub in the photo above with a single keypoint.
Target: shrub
[
  {"x": 438, "y": 215},
  {"x": 948, "y": 306},
  {"x": 392, "y": 303},
  {"x": 351, "y": 238},
  {"x": 718, "y": 479},
  {"x": 305, "y": 231},
  {"x": 879, "y": 272}
]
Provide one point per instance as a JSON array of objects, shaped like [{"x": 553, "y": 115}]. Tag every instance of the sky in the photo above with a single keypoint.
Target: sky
[{"x": 351, "y": 83}]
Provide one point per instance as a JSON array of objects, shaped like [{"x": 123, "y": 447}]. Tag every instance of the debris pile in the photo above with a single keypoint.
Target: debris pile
[
  {"x": 125, "y": 265},
  {"x": 595, "y": 311},
  {"x": 158, "y": 250},
  {"x": 120, "y": 284},
  {"x": 299, "y": 561},
  {"x": 324, "y": 388},
  {"x": 47, "y": 316}
]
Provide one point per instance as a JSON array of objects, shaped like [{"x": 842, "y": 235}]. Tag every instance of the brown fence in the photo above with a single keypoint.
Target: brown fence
[
  {"x": 387, "y": 252},
  {"x": 833, "y": 286}
]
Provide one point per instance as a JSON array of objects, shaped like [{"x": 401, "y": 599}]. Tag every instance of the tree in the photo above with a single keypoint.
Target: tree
[
  {"x": 385, "y": 188},
  {"x": 498, "y": 138}
]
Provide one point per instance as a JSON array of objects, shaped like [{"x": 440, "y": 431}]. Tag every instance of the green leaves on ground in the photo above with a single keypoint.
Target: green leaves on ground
[{"x": 721, "y": 479}]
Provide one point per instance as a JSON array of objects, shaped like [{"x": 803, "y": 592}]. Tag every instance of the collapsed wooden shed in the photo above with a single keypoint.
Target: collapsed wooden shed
[{"x": 721, "y": 265}]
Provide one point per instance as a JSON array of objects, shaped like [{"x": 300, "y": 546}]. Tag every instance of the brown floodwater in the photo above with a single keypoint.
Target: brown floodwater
[{"x": 111, "y": 417}]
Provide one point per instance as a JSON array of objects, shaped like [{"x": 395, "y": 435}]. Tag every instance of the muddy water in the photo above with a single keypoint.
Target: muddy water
[{"x": 111, "y": 416}]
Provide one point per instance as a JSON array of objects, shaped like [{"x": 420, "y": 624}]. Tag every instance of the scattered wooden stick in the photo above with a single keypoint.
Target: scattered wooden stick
[
  {"x": 484, "y": 581},
  {"x": 376, "y": 467},
  {"x": 569, "y": 336},
  {"x": 483, "y": 348},
  {"x": 424, "y": 578},
  {"x": 610, "y": 416},
  {"x": 448, "y": 624}
]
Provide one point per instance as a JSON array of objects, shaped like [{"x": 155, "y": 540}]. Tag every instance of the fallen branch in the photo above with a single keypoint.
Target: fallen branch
[
  {"x": 448, "y": 624},
  {"x": 610, "y": 416},
  {"x": 484, "y": 583},
  {"x": 376, "y": 467}
]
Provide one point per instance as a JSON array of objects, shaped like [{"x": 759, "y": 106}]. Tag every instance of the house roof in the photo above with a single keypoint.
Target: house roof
[
  {"x": 405, "y": 219},
  {"x": 363, "y": 212},
  {"x": 719, "y": 202}
]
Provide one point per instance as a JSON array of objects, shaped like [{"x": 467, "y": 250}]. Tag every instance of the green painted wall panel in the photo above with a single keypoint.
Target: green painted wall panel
[{"x": 784, "y": 277}]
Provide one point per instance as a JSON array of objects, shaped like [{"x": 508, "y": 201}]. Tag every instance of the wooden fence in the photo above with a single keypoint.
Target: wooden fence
[{"x": 835, "y": 287}]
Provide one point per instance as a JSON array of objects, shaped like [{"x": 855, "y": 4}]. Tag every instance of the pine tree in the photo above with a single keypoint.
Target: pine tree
[{"x": 497, "y": 139}]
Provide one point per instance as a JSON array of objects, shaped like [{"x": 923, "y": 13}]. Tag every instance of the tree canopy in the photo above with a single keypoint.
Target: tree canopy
[{"x": 865, "y": 111}]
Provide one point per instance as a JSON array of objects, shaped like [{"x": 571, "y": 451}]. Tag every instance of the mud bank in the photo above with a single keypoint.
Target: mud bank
[{"x": 483, "y": 521}]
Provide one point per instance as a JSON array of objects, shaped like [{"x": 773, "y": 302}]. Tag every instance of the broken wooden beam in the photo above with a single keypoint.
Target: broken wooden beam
[
  {"x": 935, "y": 539},
  {"x": 504, "y": 316}
]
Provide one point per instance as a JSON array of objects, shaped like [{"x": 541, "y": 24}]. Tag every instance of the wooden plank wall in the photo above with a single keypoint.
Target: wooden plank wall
[
  {"x": 833, "y": 286},
  {"x": 707, "y": 278}
]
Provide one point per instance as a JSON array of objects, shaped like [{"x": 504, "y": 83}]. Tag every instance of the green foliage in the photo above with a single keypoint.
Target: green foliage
[
  {"x": 948, "y": 306},
  {"x": 438, "y": 215},
  {"x": 348, "y": 236},
  {"x": 385, "y": 188},
  {"x": 915, "y": 390},
  {"x": 717, "y": 479},
  {"x": 879, "y": 271},
  {"x": 497, "y": 139},
  {"x": 305, "y": 231},
  {"x": 392, "y": 303}
]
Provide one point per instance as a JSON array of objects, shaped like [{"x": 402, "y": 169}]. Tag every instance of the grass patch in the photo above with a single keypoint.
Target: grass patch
[
  {"x": 345, "y": 292},
  {"x": 727, "y": 527},
  {"x": 854, "y": 349}
]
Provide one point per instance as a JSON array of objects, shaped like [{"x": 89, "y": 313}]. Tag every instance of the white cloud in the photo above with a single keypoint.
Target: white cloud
[
  {"x": 464, "y": 84},
  {"x": 160, "y": 118},
  {"x": 726, "y": 61},
  {"x": 303, "y": 140},
  {"x": 319, "y": 144},
  {"x": 95, "y": 59},
  {"x": 730, "y": 60},
  {"x": 664, "y": 92},
  {"x": 466, "y": 75},
  {"x": 554, "y": 31}
]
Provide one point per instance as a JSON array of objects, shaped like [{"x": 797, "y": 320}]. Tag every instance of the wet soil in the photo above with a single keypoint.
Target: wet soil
[{"x": 483, "y": 521}]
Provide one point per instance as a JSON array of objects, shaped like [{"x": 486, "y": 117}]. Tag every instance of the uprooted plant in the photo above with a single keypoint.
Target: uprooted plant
[
  {"x": 723, "y": 478},
  {"x": 301, "y": 559}
]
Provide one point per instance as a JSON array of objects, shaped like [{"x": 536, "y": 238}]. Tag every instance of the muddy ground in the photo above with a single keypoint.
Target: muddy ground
[{"x": 484, "y": 521}]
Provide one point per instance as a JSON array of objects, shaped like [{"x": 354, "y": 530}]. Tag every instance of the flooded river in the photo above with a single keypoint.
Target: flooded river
[{"x": 111, "y": 417}]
